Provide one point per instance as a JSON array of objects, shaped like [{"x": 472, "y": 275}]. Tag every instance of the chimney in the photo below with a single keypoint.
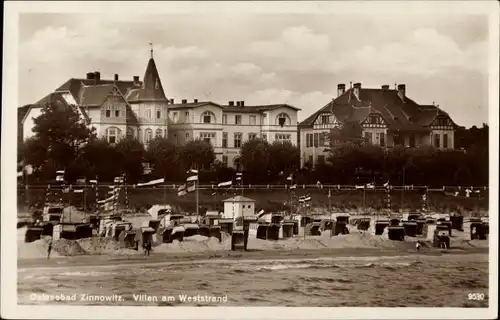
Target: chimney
[
  {"x": 401, "y": 91},
  {"x": 97, "y": 77},
  {"x": 385, "y": 87},
  {"x": 357, "y": 90},
  {"x": 231, "y": 103},
  {"x": 90, "y": 76},
  {"x": 195, "y": 100},
  {"x": 340, "y": 89},
  {"x": 238, "y": 103},
  {"x": 184, "y": 101},
  {"x": 172, "y": 101},
  {"x": 116, "y": 76},
  {"x": 136, "y": 80},
  {"x": 242, "y": 103}
]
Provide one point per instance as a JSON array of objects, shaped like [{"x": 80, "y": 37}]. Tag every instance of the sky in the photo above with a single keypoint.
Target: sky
[{"x": 266, "y": 58}]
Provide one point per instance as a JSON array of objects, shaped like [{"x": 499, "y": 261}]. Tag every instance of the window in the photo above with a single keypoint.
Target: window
[
  {"x": 283, "y": 119},
  {"x": 139, "y": 135},
  {"x": 311, "y": 160},
  {"x": 325, "y": 119},
  {"x": 442, "y": 122},
  {"x": 316, "y": 140},
  {"x": 382, "y": 139},
  {"x": 148, "y": 113},
  {"x": 186, "y": 117},
  {"x": 237, "y": 140},
  {"x": 187, "y": 136},
  {"x": 237, "y": 119},
  {"x": 375, "y": 120},
  {"x": 321, "y": 159},
  {"x": 322, "y": 139},
  {"x": 283, "y": 137},
  {"x": 175, "y": 117},
  {"x": 108, "y": 113},
  {"x": 224, "y": 139},
  {"x": 369, "y": 137},
  {"x": 117, "y": 113},
  {"x": 130, "y": 133},
  {"x": 253, "y": 120},
  {"x": 149, "y": 135},
  {"x": 206, "y": 117},
  {"x": 445, "y": 140},
  {"x": 157, "y": 84},
  {"x": 309, "y": 140},
  {"x": 158, "y": 133},
  {"x": 252, "y": 136},
  {"x": 436, "y": 140},
  {"x": 224, "y": 161},
  {"x": 412, "y": 141},
  {"x": 208, "y": 137},
  {"x": 224, "y": 119},
  {"x": 112, "y": 135},
  {"x": 158, "y": 113}
]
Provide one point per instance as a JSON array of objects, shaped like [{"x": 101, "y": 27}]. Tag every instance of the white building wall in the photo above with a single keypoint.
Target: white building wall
[{"x": 232, "y": 210}]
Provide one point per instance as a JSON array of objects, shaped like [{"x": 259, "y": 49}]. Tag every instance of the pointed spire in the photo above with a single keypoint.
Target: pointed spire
[{"x": 151, "y": 45}]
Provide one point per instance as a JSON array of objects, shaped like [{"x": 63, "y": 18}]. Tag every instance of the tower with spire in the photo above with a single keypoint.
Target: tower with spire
[{"x": 149, "y": 103}]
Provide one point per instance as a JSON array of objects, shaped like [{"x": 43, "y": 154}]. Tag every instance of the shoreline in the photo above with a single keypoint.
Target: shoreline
[{"x": 185, "y": 257}]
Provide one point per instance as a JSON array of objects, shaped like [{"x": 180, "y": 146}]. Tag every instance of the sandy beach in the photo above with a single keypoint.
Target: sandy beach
[{"x": 358, "y": 269}]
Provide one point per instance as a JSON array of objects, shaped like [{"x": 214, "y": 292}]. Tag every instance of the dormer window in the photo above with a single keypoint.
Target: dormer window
[
  {"x": 325, "y": 119},
  {"x": 207, "y": 117},
  {"x": 375, "y": 119},
  {"x": 283, "y": 119}
]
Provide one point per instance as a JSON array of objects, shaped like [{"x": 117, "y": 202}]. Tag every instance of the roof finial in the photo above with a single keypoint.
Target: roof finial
[{"x": 151, "y": 44}]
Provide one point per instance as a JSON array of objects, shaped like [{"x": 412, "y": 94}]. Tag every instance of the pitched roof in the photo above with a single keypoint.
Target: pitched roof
[
  {"x": 399, "y": 114},
  {"x": 151, "y": 89},
  {"x": 258, "y": 108},
  {"x": 95, "y": 95},
  {"x": 74, "y": 85},
  {"x": 191, "y": 105},
  {"x": 238, "y": 199}
]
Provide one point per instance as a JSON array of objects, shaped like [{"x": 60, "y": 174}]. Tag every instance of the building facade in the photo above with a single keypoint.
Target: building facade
[
  {"x": 140, "y": 109},
  {"x": 227, "y": 127},
  {"x": 386, "y": 118},
  {"x": 238, "y": 206}
]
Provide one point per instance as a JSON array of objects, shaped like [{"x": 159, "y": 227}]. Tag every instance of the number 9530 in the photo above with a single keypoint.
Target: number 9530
[{"x": 476, "y": 296}]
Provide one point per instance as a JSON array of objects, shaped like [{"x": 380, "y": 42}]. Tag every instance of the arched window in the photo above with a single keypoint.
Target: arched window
[
  {"x": 283, "y": 120},
  {"x": 148, "y": 135},
  {"x": 112, "y": 134},
  {"x": 158, "y": 133},
  {"x": 207, "y": 117}
]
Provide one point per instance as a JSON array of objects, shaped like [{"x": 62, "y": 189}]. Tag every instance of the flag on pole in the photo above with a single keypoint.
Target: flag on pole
[
  {"x": 370, "y": 185},
  {"x": 290, "y": 177},
  {"x": 151, "y": 183},
  {"x": 329, "y": 193},
  {"x": 307, "y": 198},
  {"x": 93, "y": 181},
  {"x": 192, "y": 171},
  {"x": 386, "y": 185},
  {"x": 225, "y": 184},
  {"x": 302, "y": 199},
  {"x": 78, "y": 191},
  {"x": 239, "y": 176},
  {"x": 190, "y": 187},
  {"x": 359, "y": 187},
  {"x": 293, "y": 186},
  {"x": 192, "y": 178},
  {"x": 181, "y": 191}
]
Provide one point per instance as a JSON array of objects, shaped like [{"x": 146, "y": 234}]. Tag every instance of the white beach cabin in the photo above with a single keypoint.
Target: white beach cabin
[{"x": 238, "y": 206}]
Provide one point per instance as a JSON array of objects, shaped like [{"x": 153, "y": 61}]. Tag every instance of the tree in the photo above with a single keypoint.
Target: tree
[
  {"x": 255, "y": 158},
  {"x": 62, "y": 132},
  {"x": 197, "y": 154},
  {"x": 164, "y": 156},
  {"x": 100, "y": 159},
  {"x": 33, "y": 152},
  {"x": 284, "y": 157},
  {"x": 131, "y": 157}
]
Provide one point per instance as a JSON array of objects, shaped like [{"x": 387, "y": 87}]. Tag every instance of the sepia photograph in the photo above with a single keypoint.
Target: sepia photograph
[{"x": 300, "y": 155}]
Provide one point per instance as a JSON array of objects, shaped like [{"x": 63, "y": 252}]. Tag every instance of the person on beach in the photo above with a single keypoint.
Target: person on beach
[
  {"x": 418, "y": 245},
  {"x": 148, "y": 247},
  {"x": 49, "y": 249}
]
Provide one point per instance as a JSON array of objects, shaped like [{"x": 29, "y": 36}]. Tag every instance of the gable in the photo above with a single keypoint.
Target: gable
[
  {"x": 442, "y": 120},
  {"x": 326, "y": 119},
  {"x": 374, "y": 120}
]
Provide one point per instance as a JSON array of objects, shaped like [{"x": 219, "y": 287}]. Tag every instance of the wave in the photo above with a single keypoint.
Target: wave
[{"x": 318, "y": 265}]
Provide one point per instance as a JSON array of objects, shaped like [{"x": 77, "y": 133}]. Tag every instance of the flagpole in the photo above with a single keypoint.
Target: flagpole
[
  {"x": 196, "y": 185},
  {"x": 85, "y": 200},
  {"x": 403, "y": 191},
  {"x": 164, "y": 190},
  {"x": 69, "y": 202}
]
